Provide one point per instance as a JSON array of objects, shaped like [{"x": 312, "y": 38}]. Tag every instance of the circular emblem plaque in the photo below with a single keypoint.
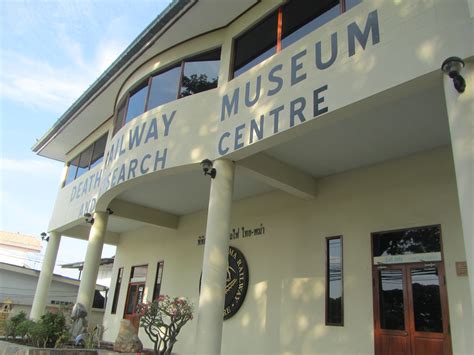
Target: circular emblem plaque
[{"x": 237, "y": 282}]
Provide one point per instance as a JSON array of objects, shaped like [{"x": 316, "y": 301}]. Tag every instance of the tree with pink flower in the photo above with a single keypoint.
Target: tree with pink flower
[{"x": 163, "y": 319}]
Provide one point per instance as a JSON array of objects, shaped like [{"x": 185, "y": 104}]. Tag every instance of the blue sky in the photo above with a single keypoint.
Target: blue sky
[{"x": 50, "y": 52}]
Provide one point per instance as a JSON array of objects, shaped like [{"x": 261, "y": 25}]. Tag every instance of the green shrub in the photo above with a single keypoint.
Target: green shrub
[
  {"x": 49, "y": 331},
  {"x": 55, "y": 323},
  {"x": 12, "y": 324},
  {"x": 38, "y": 334},
  {"x": 23, "y": 329}
]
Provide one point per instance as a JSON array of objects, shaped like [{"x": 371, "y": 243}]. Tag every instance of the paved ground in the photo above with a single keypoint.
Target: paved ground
[{"x": 7, "y": 348}]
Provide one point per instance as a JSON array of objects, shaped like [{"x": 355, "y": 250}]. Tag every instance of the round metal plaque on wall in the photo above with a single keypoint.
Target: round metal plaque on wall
[{"x": 237, "y": 282}]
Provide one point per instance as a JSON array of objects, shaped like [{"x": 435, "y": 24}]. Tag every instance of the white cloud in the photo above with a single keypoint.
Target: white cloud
[
  {"x": 38, "y": 84},
  {"x": 54, "y": 88}
]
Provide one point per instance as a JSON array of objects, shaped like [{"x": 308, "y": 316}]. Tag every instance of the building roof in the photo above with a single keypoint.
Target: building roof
[
  {"x": 20, "y": 241},
  {"x": 176, "y": 24},
  {"x": 35, "y": 273},
  {"x": 80, "y": 264}
]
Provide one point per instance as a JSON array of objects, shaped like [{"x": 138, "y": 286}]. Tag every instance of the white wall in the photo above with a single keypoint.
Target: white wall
[
  {"x": 105, "y": 274},
  {"x": 284, "y": 308},
  {"x": 415, "y": 37}
]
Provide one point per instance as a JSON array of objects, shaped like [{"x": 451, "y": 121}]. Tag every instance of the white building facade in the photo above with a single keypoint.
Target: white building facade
[{"x": 343, "y": 181}]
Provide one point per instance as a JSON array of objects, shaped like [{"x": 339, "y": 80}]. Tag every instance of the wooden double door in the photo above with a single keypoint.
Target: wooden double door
[{"x": 411, "y": 310}]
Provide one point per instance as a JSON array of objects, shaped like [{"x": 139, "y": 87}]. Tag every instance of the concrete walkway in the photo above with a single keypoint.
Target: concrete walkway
[{"x": 7, "y": 348}]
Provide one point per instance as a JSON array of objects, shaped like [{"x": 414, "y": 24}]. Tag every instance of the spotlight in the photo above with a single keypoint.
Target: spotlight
[
  {"x": 89, "y": 218},
  {"x": 208, "y": 169},
  {"x": 452, "y": 66},
  {"x": 44, "y": 237}
]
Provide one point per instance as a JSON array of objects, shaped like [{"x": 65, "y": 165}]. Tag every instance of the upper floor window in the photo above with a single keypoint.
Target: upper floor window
[
  {"x": 286, "y": 25},
  {"x": 191, "y": 76},
  {"x": 86, "y": 160},
  {"x": 200, "y": 73},
  {"x": 136, "y": 103},
  {"x": 256, "y": 45},
  {"x": 164, "y": 87}
]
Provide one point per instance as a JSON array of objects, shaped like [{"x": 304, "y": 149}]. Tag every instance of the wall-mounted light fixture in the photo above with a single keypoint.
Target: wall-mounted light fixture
[
  {"x": 452, "y": 66},
  {"x": 89, "y": 218},
  {"x": 44, "y": 237},
  {"x": 109, "y": 211},
  {"x": 208, "y": 169}
]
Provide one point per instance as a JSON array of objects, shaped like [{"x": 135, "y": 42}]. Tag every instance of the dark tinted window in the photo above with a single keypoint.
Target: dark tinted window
[
  {"x": 71, "y": 170},
  {"x": 99, "y": 149},
  {"x": 407, "y": 241},
  {"x": 99, "y": 300},
  {"x": 90, "y": 157},
  {"x": 84, "y": 161},
  {"x": 136, "y": 103},
  {"x": 164, "y": 88},
  {"x": 301, "y": 17},
  {"x": 392, "y": 309},
  {"x": 334, "y": 305},
  {"x": 351, "y": 3},
  {"x": 298, "y": 18},
  {"x": 256, "y": 45},
  {"x": 200, "y": 73},
  {"x": 159, "y": 276},
  {"x": 118, "y": 284},
  {"x": 120, "y": 116}
]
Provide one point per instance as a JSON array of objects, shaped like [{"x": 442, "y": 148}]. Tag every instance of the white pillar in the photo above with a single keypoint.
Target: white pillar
[
  {"x": 95, "y": 244},
  {"x": 216, "y": 253},
  {"x": 45, "y": 277},
  {"x": 460, "y": 109}
]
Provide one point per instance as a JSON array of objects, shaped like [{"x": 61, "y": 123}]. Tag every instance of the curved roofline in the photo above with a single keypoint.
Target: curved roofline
[{"x": 163, "y": 19}]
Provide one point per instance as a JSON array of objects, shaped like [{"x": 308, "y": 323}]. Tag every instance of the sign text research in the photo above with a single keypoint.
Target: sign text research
[
  {"x": 285, "y": 115},
  {"x": 276, "y": 98}
]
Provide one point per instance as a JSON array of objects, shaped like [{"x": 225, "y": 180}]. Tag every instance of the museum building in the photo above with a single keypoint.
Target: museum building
[{"x": 301, "y": 170}]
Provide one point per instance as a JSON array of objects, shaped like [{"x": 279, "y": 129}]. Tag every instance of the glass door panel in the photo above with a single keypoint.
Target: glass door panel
[
  {"x": 391, "y": 297},
  {"x": 132, "y": 292},
  {"x": 141, "y": 290},
  {"x": 427, "y": 312}
]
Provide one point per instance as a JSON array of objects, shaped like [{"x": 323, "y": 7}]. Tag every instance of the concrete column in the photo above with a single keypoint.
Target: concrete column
[
  {"x": 460, "y": 109},
  {"x": 95, "y": 244},
  {"x": 216, "y": 252},
  {"x": 45, "y": 277}
]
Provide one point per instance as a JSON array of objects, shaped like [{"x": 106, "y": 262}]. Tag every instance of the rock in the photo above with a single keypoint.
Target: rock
[
  {"x": 127, "y": 340},
  {"x": 79, "y": 321}
]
